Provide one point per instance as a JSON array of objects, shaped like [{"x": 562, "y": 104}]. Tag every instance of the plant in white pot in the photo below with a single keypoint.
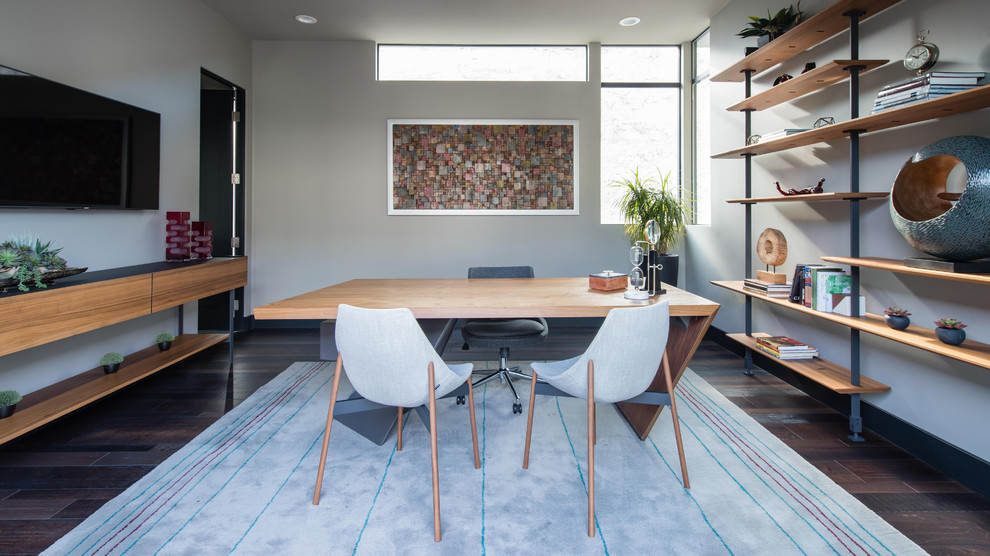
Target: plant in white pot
[{"x": 645, "y": 199}]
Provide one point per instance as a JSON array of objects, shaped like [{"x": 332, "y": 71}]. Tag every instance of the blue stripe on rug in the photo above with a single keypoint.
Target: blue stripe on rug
[
  {"x": 821, "y": 493},
  {"x": 221, "y": 441},
  {"x": 208, "y": 444},
  {"x": 736, "y": 481},
  {"x": 577, "y": 463},
  {"x": 272, "y": 499},
  {"x": 800, "y": 495},
  {"x": 235, "y": 473},
  {"x": 736, "y": 447},
  {"x": 693, "y": 499},
  {"x": 484, "y": 443},
  {"x": 381, "y": 483}
]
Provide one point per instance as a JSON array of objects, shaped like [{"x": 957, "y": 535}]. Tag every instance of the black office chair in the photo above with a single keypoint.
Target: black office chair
[{"x": 503, "y": 333}]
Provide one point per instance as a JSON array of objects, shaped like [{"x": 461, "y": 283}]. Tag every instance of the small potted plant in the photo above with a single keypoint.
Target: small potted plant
[
  {"x": 896, "y": 317},
  {"x": 164, "y": 340},
  {"x": 111, "y": 362},
  {"x": 8, "y": 402},
  {"x": 950, "y": 331},
  {"x": 766, "y": 29}
]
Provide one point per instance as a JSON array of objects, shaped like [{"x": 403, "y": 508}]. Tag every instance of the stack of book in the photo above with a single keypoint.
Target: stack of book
[
  {"x": 827, "y": 289},
  {"x": 933, "y": 84},
  {"x": 783, "y": 347},
  {"x": 766, "y": 288},
  {"x": 779, "y": 134}
]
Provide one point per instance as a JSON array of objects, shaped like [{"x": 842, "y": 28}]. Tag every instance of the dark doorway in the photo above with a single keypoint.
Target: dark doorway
[{"x": 221, "y": 187}]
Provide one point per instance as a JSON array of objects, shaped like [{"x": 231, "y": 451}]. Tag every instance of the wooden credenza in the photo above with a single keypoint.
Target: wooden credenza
[{"x": 93, "y": 300}]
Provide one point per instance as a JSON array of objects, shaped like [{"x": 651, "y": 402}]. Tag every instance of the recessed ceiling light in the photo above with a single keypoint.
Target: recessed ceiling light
[
  {"x": 628, "y": 21},
  {"x": 307, "y": 19}
]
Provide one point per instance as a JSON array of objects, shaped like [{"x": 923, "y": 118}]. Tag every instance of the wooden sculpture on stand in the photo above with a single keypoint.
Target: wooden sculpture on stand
[{"x": 771, "y": 247}]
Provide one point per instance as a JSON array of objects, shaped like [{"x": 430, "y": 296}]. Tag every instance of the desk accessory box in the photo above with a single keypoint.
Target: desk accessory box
[{"x": 608, "y": 281}]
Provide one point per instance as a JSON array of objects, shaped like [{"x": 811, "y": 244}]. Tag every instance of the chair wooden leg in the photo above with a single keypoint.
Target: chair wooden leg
[
  {"x": 474, "y": 426},
  {"x": 433, "y": 454},
  {"x": 326, "y": 430},
  {"x": 677, "y": 424},
  {"x": 399, "y": 448},
  {"x": 529, "y": 422},
  {"x": 591, "y": 448}
]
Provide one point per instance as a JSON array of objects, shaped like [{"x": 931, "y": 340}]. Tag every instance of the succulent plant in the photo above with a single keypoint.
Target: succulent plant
[
  {"x": 951, "y": 324},
  {"x": 9, "y": 397},
  {"x": 896, "y": 311},
  {"x": 774, "y": 24},
  {"x": 30, "y": 258},
  {"x": 112, "y": 358},
  {"x": 164, "y": 337}
]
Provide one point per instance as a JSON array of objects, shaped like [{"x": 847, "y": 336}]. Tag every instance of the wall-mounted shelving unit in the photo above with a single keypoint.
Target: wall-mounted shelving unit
[{"x": 837, "y": 18}]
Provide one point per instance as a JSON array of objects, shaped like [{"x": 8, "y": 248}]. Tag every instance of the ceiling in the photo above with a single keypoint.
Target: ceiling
[{"x": 472, "y": 21}]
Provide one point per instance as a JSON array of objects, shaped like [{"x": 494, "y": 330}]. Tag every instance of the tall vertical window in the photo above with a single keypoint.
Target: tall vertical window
[
  {"x": 701, "y": 190},
  {"x": 641, "y": 104}
]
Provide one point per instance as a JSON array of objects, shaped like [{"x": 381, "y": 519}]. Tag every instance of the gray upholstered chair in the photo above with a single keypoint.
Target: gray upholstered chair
[
  {"x": 619, "y": 365},
  {"x": 390, "y": 361},
  {"x": 503, "y": 333}
]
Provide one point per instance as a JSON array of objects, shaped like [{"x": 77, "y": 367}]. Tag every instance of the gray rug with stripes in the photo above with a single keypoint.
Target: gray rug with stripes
[{"x": 245, "y": 486}]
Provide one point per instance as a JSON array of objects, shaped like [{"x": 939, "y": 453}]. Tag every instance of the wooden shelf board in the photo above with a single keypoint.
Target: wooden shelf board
[
  {"x": 55, "y": 401},
  {"x": 830, "y": 375},
  {"x": 956, "y": 103},
  {"x": 814, "y": 80},
  {"x": 894, "y": 265},
  {"x": 813, "y": 197},
  {"x": 816, "y": 29},
  {"x": 971, "y": 351}
]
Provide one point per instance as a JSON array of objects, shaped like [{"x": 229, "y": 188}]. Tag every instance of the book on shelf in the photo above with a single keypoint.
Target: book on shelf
[
  {"x": 797, "y": 283},
  {"x": 923, "y": 90},
  {"x": 780, "y": 133},
  {"x": 881, "y": 106},
  {"x": 938, "y": 78},
  {"x": 802, "y": 354},
  {"x": 811, "y": 282},
  {"x": 766, "y": 288},
  {"x": 782, "y": 343}
]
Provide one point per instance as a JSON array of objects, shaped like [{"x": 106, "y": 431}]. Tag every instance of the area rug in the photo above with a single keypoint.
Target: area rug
[{"x": 245, "y": 486}]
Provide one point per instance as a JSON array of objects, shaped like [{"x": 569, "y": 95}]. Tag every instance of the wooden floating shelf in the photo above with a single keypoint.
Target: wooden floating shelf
[
  {"x": 971, "y": 351},
  {"x": 835, "y": 71},
  {"x": 894, "y": 265},
  {"x": 811, "y": 198},
  {"x": 956, "y": 103},
  {"x": 814, "y": 30},
  {"x": 48, "y": 404},
  {"x": 830, "y": 375}
]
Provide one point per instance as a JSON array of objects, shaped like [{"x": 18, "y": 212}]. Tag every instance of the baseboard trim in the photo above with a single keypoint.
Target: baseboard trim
[{"x": 955, "y": 462}]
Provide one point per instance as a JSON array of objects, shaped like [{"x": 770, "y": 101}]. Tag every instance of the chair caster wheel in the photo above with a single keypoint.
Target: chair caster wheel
[
  {"x": 460, "y": 400},
  {"x": 516, "y": 408}
]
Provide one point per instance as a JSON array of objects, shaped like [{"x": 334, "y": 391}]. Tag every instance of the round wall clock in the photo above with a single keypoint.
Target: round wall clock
[{"x": 922, "y": 56}]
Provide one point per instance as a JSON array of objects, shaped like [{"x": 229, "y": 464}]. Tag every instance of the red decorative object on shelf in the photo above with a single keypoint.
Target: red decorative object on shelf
[
  {"x": 177, "y": 236},
  {"x": 202, "y": 240}
]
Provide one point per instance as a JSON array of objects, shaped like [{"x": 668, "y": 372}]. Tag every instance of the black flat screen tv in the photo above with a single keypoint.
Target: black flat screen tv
[{"x": 61, "y": 147}]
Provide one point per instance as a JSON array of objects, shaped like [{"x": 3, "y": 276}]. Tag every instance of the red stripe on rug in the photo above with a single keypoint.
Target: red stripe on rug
[{"x": 771, "y": 471}]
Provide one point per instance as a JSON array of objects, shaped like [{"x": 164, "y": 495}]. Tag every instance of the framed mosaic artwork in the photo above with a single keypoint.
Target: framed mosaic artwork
[{"x": 482, "y": 166}]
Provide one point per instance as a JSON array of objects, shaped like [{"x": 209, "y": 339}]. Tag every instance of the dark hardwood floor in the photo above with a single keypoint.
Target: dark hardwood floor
[{"x": 53, "y": 478}]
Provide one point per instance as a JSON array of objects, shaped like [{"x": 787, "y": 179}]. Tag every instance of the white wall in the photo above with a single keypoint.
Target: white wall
[
  {"x": 143, "y": 52},
  {"x": 320, "y": 174},
  {"x": 944, "y": 397}
]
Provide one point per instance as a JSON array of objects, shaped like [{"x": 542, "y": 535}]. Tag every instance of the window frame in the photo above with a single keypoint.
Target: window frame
[
  {"x": 678, "y": 84},
  {"x": 695, "y": 80},
  {"x": 585, "y": 47}
]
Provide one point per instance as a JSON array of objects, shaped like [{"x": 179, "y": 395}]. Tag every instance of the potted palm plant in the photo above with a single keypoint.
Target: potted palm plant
[
  {"x": 766, "y": 29},
  {"x": 646, "y": 199}
]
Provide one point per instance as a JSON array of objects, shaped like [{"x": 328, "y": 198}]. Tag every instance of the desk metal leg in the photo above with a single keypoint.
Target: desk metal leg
[{"x": 230, "y": 329}]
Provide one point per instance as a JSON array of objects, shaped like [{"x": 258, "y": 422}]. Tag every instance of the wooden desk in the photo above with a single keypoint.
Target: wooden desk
[{"x": 505, "y": 298}]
